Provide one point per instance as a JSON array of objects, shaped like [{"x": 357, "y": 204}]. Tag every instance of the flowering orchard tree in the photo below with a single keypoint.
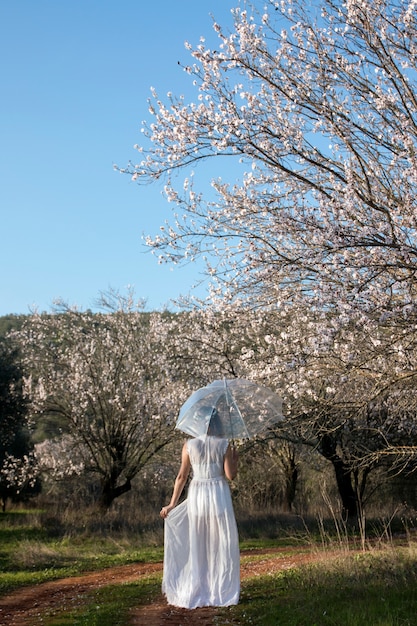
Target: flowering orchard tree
[
  {"x": 345, "y": 393},
  {"x": 209, "y": 342},
  {"x": 227, "y": 341},
  {"x": 59, "y": 458},
  {"x": 109, "y": 377},
  {"x": 319, "y": 103},
  {"x": 349, "y": 395},
  {"x": 18, "y": 476}
]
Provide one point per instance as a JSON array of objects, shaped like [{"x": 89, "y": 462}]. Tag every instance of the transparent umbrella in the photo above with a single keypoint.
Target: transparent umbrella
[{"x": 231, "y": 408}]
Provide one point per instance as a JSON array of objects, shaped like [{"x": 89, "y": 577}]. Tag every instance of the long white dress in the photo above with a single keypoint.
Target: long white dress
[{"x": 201, "y": 558}]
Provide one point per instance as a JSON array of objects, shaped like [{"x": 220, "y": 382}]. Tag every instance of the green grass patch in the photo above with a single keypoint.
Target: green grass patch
[
  {"x": 43, "y": 562},
  {"x": 373, "y": 588},
  {"x": 377, "y": 587},
  {"x": 107, "y": 606},
  {"x": 280, "y": 542},
  {"x": 30, "y": 553}
]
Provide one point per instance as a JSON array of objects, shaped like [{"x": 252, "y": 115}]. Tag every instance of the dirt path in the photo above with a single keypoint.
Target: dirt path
[
  {"x": 25, "y": 607},
  {"x": 159, "y": 614}
]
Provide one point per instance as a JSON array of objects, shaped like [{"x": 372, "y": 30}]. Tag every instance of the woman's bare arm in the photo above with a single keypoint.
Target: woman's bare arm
[
  {"x": 180, "y": 481},
  {"x": 231, "y": 462}
]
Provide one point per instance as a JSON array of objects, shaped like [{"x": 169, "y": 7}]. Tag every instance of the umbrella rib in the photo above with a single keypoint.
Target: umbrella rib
[
  {"x": 229, "y": 393},
  {"x": 242, "y": 420}
]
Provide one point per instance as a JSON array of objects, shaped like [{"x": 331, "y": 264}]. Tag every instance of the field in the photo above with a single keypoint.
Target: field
[{"x": 55, "y": 574}]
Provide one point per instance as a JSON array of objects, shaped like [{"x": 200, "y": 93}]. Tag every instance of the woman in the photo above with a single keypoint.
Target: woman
[{"x": 201, "y": 560}]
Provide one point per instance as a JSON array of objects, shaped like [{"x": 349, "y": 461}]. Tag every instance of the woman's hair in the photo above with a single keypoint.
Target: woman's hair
[{"x": 215, "y": 426}]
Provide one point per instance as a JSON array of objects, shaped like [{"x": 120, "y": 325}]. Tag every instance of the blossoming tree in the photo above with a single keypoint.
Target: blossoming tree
[
  {"x": 109, "y": 379},
  {"x": 318, "y": 105}
]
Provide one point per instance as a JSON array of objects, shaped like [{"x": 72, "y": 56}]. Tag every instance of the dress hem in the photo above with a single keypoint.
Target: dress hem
[{"x": 200, "y": 606}]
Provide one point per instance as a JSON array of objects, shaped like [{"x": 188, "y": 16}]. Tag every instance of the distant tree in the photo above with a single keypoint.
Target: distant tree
[
  {"x": 10, "y": 322},
  {"x": 110, "y": 378},
  {"x": 345, "y": 396},
  {"x": 274, "y": 469}
]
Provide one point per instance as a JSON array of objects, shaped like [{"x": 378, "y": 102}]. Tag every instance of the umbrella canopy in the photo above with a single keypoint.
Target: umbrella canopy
[{"x": 231, "y": 408}]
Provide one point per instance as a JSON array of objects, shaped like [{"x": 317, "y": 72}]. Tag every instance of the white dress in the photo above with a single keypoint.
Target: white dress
[{"x": 201, "y": 558}]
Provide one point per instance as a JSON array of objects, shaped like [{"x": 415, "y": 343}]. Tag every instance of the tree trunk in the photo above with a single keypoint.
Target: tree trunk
[
  {"x": 290, "y": 484},
  {"x": 110, "y": 491},
  {"x": 343, "y": 477}
]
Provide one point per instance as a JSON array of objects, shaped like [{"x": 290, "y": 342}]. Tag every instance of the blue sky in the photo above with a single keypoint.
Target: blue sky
[{"x": 75, "y": 81}]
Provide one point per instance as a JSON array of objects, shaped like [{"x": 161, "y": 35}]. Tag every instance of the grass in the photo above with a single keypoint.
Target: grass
[
  {"x": 376, "y": 587},
  {"x": 373, "y": 588},
  {"x": 30, "y": 553},
  {"x": 107, "y": 606}
]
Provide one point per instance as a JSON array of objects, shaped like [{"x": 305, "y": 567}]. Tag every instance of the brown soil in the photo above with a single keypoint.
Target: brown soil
[{"x": 27, "y": 606}]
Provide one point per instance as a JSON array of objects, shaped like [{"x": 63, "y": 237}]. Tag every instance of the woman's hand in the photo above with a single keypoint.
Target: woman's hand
[{"x": 166, "y": 510}]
